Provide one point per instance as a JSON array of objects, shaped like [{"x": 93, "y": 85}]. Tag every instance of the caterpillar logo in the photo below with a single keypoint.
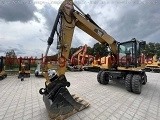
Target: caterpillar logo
[
  {"x": 99, "y": 32},
  {"x": 68, "y": 5}
]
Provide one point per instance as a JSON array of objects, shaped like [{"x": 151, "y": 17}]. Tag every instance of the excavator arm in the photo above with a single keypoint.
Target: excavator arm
[
  {"x": 59, "y": 103},
  {"x": 83, "y": 55}
]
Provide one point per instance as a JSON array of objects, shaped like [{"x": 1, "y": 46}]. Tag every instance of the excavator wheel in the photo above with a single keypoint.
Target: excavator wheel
[
  {"x": 128, "y": 82},
  {"x": 104, "y": 78},
  {"x": 98, "y": 76},
  {"x": 59, "y": 102},
  {"x": 1, "y": 77},
  {"x": 136, "y": 84},
  {"x": 144, "y": 79},
  {"x": 28, "y": 75},
  {"x": 156, "y": 70},
  {"x": 36, "y": 74},
  {"x": 22, "y": 78},
  {"x": 147, "y": 70},
  {"x": 5, "y": 75}
]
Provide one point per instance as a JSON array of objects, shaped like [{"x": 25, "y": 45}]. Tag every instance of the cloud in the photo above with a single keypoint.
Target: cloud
[
  {"x": 126, "y": 19},
  {"x": 122, "y": 19},
  {"x": 139, "y": 21},
  {"x": 5, "y": 49},
  {"x": 17, "y": 10},
  {"x": 77, "y": 41},
  {"x": 2, "y": 49},
  {"x": 49, "y": 13}
]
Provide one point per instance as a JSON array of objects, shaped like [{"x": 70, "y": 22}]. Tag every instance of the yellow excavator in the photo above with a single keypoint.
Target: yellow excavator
[
  {"x": 59, "y": 103},
  {"x": 153, "y": 65},
  {"x": 94, "y": 66},
  {"x": 24, "y": 68},
  {"x": 3, "y": 74}
]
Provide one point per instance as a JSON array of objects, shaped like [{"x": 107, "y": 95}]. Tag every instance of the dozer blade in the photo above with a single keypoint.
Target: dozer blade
[{"x": 61, "y": 104}]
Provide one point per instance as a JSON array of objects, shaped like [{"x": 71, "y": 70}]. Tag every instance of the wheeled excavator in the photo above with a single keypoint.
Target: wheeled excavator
[
  {"x": 3, "y": 74},
  {"x": 59, "y": 103}
]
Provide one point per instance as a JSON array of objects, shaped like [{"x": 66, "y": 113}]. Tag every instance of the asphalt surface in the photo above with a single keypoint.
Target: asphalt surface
[{"x": 20, "y": 100}]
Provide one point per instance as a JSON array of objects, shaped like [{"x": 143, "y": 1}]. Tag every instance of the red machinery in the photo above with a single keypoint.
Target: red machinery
[{"x": 77, "y": 62}]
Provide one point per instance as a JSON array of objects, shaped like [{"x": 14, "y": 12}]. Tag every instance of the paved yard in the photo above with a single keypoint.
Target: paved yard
[{"x": 22, "y": 101}]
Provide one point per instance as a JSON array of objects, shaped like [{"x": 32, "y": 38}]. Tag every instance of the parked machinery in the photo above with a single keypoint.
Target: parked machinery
[
  {"x": 51, "y": 70},
  {"x": 38, "y": 71},
  {"x": 76, "y": 63},
  {"x": 24, "y": 68},
  {"x": 152, "y": 65},
  {"x": 3, "y": 74}
]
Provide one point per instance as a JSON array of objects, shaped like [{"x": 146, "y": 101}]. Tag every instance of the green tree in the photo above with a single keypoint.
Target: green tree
[
  {"x": 73, "y": 50},
  {"x": 11, "y": 58},
  {"x": 11, "y": 54},
  {"x": 89, "y": 50},
  {"x": 99, "y": 49},
  {"x": 152, "y": 49}
]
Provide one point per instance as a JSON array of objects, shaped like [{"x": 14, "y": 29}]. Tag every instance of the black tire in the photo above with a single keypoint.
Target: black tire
[
  {"x": 104, "y": 78},
  {"x": 136, "y": 84},
  {"x": 144, "y": 79},
  {"x": 128, "y": 82},
  {"x": 147, "y": 70},
  {"x": 156, "y": 70},
  {"x": 1, "y": 77},
  {"x": 22, "y": 79},
  {"x": 36, "y": 74},
  {"x": 98, "y": 76}
]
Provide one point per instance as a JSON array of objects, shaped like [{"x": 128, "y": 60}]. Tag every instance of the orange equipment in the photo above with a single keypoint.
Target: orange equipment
[{"x": 77, "y": 63}]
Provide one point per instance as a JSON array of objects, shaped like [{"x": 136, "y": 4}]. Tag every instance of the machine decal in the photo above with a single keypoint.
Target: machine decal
[
  {"x": 99, "y": 32},
  {"x": 68, "y": 6},
  {"x": 62, "y": 60}
]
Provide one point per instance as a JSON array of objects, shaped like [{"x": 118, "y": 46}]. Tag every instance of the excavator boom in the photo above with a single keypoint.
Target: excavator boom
[
  {"x": 59, "y": 102},
  {"x": 83, "y": 55}
]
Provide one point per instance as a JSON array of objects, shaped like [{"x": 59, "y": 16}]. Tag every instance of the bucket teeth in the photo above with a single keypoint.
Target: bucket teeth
[
  {"x": 80, "y": 100},
  {"x": 75, "y": 97}
]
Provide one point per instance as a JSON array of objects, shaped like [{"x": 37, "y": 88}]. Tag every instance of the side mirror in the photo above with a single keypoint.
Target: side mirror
[{"x": 142, "y": 44}]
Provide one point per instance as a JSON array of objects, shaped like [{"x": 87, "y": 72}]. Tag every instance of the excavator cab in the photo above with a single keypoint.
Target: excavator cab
[
  {"x": 129, "y": 53},
  {"x": 24, "y": 68},
  {"x": 2, "y": 69}
]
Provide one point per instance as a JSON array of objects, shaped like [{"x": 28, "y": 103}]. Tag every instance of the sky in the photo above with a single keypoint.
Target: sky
[{"x": 25, "y": 25}]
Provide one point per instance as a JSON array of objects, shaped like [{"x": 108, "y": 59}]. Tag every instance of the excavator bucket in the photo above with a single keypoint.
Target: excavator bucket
[{"x": 59, "y": 102}]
